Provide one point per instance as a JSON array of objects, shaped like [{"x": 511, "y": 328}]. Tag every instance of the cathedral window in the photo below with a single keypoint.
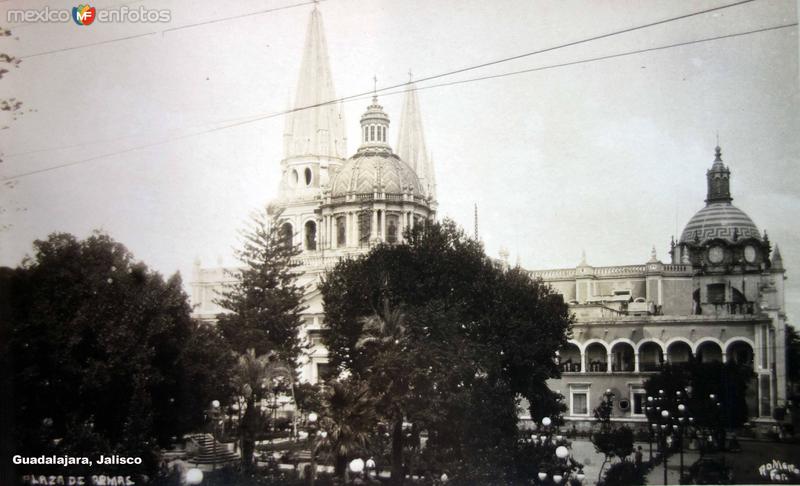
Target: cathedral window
[
  {"x": 391, "y": 228},
  {"x": 311, "y": 235},
  {"x": 364, "y": 227},
  {"x": 286, "y": 234},
  {"x": 372, "y": 133},
  {"x": 308, "y": 174},
  {"x": 341, "y": 231},
  {"x": 366, "y": 134}
]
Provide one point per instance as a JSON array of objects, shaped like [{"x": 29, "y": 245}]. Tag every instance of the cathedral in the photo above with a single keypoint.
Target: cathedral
[{"x": 719, "y": 297}]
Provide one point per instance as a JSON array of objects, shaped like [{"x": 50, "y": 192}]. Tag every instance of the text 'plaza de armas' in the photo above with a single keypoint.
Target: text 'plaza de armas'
[{"x": 719, "y": 297}]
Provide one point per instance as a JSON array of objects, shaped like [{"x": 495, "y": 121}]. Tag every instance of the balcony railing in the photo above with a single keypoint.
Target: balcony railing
[
  {"x": 726, "y": 308},
  {"x": 598, "y": 366}
]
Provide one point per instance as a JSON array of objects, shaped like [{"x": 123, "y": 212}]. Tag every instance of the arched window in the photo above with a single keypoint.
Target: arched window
[
  {"x": 311, "y": 235},
  {"x": 596, "y": 357},
  {"x": 366, "y": 134},
  {"x": 372, "y": 133},
  {"x": 364, "y": 227},
  {"x": 391, "y": 228},
  {"x": 341, "y": 231},
  {"x": 308, "y": 175},
  {"x": 570, "y": 358},
  {"x": 286, "y": 234}
]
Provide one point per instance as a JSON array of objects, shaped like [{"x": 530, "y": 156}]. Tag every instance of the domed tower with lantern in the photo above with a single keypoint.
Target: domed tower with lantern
[
  {"x": 376, "y": 195},
  {"x": 727, "y": 252}
]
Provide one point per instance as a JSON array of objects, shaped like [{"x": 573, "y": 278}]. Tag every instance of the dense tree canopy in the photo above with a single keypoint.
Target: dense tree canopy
[
  {"x": 716, "y": 392},
  {"x": 448, "y": 340},
  {"x": 102, "y": 351}
]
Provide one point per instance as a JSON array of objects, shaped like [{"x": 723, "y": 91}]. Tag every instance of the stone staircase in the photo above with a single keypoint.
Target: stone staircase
[{"x": 210, "y": 451}]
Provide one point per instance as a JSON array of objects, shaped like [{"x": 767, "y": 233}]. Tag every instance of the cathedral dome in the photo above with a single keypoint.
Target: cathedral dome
[
  {"x": 719, "y": 220},
  {"x": 370, "y": 171}
]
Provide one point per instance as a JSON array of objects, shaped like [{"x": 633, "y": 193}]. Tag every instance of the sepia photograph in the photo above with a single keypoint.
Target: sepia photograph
[{"x": 415, "y": 242}]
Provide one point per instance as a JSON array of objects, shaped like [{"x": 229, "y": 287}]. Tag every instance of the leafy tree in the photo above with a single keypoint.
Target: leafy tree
[
  {"x": 610, "y": 441},
  {"x": 714, "y": 394},
  {"x": 446, "y": 340},
  {"x": 264, "y": 302},
  {"x": 11, "y": 109},
  {"x": 97, "y": 352},
  {"x": 308, "y": 397},
  {"x": 624, "y": 473}
]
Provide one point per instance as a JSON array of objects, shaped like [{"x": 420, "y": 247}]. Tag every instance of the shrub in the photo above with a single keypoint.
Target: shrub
[{"x": 624, "y": 473}]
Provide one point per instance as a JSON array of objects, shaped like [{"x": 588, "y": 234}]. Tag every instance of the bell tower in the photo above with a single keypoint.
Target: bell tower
[{"x": 314, "y": 140}]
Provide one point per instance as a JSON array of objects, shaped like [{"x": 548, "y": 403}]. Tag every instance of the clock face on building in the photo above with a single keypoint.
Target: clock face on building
[
  {"x": 716, "y": 254},
  {"x": 750, "y": 253}
]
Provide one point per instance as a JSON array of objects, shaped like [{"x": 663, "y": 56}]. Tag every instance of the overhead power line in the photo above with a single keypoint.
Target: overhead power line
[
  {"x": 599, "y": 58},
  {"x": 367, "y": 94},
  {"x": 171, "y": 29}
]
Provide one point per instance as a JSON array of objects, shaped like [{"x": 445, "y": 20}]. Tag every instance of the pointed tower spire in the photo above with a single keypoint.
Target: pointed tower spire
[
  {"x": 777, "y": 260},
  {"x": 411, "y": 141},
  {"x": 320, "y": 130}
]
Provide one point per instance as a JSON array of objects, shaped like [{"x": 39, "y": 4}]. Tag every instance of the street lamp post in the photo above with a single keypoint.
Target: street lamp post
[
  {"x": 213, "y": 414},
  {"x": 664, "y": 450},
  {"x": 312, "y": 434},
  {"x": 650, "y": 431}
]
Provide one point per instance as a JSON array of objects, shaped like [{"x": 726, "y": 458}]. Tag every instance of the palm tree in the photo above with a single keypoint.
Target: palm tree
[
  {"x": 348, "y": 418},
  {"x": 251, "y": 375},
  {"x": 388, "y": 336}
]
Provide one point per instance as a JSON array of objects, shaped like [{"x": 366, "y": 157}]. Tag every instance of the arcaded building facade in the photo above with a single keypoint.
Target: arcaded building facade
[{"x": 719, "y": 297}]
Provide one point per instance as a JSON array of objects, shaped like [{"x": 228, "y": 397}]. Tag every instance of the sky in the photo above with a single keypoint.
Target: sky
[{"x": 607, "y": 157}]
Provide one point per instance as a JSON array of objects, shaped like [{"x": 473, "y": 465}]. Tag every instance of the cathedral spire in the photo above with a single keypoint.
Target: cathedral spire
[
  {"x": 719, "y": 179},
  {"x": 411, "y": 141},
  {"x": 320, "y": 130}
]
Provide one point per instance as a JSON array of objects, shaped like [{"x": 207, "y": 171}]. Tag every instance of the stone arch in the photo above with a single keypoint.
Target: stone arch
[
  {"x": 651, "y": 353},
  {"x": 623, "y": 352},
  {"x": 310, "y": 234},
  {"x": 570, "y": 357},
  {"x": 707, "y": 354},
  {"x": 679, "y": 350},
  {"x": 287, "y": 233},
  {"x": 656, "y": 341},
  {"x": 731, "y": 353},
  {"x": 595, "y": 359}
]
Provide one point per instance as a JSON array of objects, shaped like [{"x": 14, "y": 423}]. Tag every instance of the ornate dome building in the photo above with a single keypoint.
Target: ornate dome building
[
  {"x": 720, "y": 299},
  {"x": 331, "y": 206},
  {"x": 722, "y": 237},
  {"x": 375, "y": 195}
]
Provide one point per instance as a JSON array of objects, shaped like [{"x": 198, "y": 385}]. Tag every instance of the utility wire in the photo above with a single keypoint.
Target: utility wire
[
  {"x": 368, "y": 94},
  {"x": 594, "y": 59},
  {"x": 257, "y": 117},
  {"x": 172, "y": 29}
]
